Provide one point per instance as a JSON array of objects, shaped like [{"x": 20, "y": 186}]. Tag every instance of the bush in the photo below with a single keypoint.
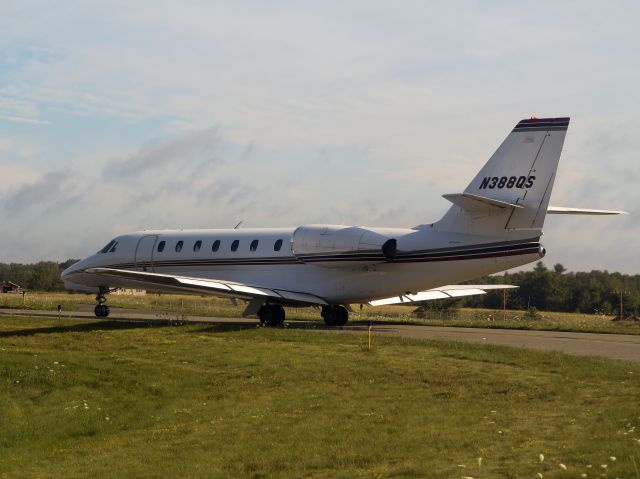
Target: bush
[{"x": 532, "y": 313}]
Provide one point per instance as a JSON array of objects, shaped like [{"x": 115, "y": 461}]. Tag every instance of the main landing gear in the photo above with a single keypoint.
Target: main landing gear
[
  {"x": 271, "y": 315},
  {"x": 335, "y": 315},
  {"x": 101, "y": 310}
]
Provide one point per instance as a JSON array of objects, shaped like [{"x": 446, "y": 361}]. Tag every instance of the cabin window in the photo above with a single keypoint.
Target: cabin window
[
  {"x": 215, "y": 246},
  {"x": 254, "y": 245},
  {"x": 197, "y": 246},
  {"x": 161, "y": 246},
  {"x": 108, "y": 247},
  {"x": 234, "y": 245},
  {"x": 277, "y": 245},
  {"x": 113, "y": 248},
  {"x": 179, "y": 246}
]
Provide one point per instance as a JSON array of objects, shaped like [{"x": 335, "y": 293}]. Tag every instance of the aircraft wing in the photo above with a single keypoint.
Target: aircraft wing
[
  {"x": 444, "y": 292},
  {"x": 186, "y": 284}
]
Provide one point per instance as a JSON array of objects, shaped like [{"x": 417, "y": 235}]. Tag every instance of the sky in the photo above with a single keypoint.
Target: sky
[{"x": 121, "y": 116}]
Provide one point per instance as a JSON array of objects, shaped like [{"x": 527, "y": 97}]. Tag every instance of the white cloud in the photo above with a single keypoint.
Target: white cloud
[
  {"x": 15, "y": 175},
  {"x": 153, "y": 159},
  {"x": 22, "y": 119},
  {"x": 5, "y": 144}
]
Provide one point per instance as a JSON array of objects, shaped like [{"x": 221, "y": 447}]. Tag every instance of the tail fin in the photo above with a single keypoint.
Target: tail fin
[{"x": 512, "y": 190}]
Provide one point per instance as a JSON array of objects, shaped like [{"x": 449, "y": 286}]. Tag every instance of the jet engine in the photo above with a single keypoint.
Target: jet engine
[{"x": 336, "y": 245}]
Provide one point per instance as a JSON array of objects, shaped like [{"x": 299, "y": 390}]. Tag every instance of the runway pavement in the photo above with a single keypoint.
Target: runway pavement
[{"x": 613, "y": 346}]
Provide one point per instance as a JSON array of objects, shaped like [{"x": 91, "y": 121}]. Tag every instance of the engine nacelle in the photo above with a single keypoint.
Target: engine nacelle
[{"x": 339, "y": 245}]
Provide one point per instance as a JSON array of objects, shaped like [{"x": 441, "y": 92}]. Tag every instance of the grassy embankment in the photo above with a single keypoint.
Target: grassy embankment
[
  {"x": 171, "y": 306},
  {"x": 98, "y": 398}
]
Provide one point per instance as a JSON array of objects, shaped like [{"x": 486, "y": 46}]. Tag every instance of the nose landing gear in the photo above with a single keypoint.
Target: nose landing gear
[{"x": 101, "y": 310}]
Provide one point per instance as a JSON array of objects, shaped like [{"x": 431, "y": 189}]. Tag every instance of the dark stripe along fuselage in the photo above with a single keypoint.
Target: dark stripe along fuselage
[{"x": 419, "y": 256}]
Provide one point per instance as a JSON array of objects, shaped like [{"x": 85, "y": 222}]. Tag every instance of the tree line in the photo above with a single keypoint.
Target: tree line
[
  {"x": 558, "y": 290},
  {"x": 41, "y": 276},
  {"x": 542, "y": 288}
]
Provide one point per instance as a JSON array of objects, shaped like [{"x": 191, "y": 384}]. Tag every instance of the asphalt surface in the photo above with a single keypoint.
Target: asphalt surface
[{"x": 612, "y": 346}]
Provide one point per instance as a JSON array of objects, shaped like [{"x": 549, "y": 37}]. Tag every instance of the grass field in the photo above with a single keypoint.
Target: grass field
[
  {"x": 98, "y": 398},
  {"x": 210, "y": 306}
]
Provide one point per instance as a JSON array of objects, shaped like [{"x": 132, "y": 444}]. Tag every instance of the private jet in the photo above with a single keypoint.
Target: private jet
[{"x": 495, "y": 224}]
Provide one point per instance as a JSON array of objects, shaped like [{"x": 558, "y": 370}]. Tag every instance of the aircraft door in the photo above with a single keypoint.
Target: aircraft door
[{"x": 144, "y": 253}]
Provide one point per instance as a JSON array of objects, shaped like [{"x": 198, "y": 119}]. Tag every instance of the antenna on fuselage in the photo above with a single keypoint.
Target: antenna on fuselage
[{"x": 238, "y": 225}]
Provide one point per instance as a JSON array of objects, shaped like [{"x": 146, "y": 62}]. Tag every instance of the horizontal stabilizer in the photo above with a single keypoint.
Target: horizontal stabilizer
[
  {"x": 472, "y": 203},
  {"x": 444, "y": 292},
  {"x": 561, "y": 210},
  {"x": 211, "y": 286}
]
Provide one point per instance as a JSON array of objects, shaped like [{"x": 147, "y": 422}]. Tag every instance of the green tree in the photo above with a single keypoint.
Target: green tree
[
  {"x": 559, "y": 290},
  {"x": 45, "y": 277}
]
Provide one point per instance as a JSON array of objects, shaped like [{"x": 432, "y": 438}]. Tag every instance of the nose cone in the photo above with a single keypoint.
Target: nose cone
[
  {"x": 75, "y": 279},
  {"x": 67, "y": 273},
  {"x": 78, "y": 269}
]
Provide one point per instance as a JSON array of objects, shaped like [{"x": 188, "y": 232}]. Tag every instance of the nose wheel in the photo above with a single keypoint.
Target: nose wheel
[{"x": 101, "y": 310}]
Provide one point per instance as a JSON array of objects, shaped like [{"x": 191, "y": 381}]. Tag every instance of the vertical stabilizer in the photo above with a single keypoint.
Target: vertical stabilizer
[{"x": 512, "y": 190}]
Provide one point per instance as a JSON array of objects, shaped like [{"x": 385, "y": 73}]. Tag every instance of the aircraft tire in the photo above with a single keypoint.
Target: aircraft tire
[
  {"x": 271, "y": 315},
  {"x": 341, "y": 315},
  {"x": 101, "y": 310},
  {"x": 335, "y": 315}
]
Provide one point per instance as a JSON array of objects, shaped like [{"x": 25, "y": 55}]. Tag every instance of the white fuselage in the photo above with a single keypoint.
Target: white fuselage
[{"x": 425, "y": 259}]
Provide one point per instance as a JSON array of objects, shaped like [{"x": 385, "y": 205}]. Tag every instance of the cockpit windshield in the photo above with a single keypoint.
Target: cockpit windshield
[{"x": 108, "y": 247}]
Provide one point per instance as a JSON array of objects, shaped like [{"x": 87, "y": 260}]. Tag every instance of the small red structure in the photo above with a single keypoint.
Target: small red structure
[{"x": 9, "y": 287}]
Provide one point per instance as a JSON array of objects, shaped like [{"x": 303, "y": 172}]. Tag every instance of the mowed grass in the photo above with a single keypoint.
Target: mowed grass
[
  {"x": 108, "y": 399},
  {"x": 171, "y": 306}
]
